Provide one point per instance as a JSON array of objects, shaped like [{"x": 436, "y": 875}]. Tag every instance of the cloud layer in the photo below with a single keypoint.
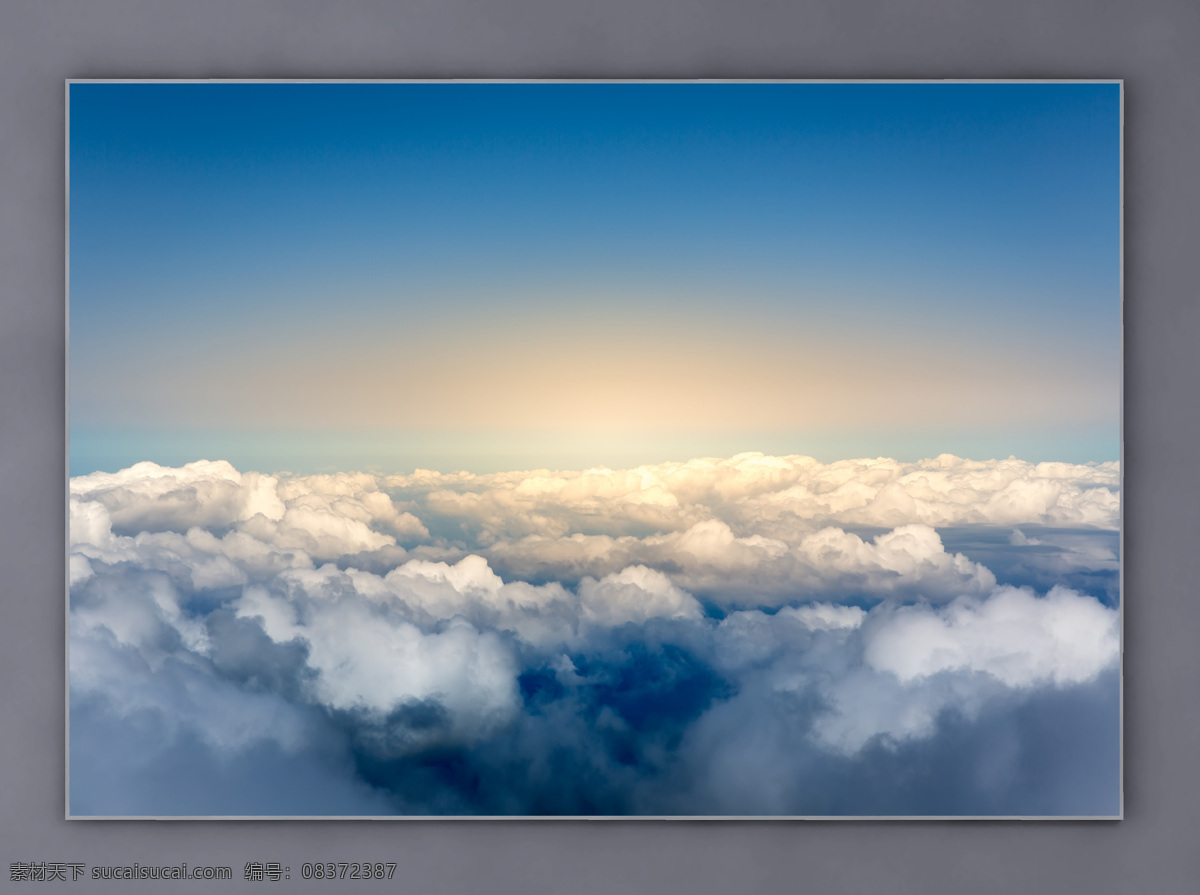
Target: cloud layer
[{"x": 741, "y": 636}]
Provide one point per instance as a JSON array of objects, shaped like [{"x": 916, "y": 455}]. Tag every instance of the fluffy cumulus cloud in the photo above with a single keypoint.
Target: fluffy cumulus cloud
[
  {"x": 753, "y": 635},
  {"x": 770, "y": 496}
]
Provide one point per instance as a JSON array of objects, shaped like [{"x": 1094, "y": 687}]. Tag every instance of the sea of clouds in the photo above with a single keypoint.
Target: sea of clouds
[{"x": 754, "y": 635}]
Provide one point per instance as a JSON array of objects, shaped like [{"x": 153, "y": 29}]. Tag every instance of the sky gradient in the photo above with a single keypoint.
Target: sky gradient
[{"x": 558, "y": 275}]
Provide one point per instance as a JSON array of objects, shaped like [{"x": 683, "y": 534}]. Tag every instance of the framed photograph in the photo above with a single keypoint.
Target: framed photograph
[{"x": 594, "y": 449}]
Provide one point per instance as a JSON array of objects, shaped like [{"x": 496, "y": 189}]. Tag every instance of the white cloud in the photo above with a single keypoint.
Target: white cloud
[
  {"x": 368, "y": 655},
  {"x": 197, "y": 559},
  {"x": 636, "y": 594},
  {"x": 948, "y": 490},
  {"x": 824, "y": 617},
  {"x": 90, "y": 522},
  {"x": 740, "y": 510},
  {"x": 778, "y": 524},
  {"x": 413, "y": 605},
  {"x": 79, "y": 569},
  {"x": 753, "y": 570},
  {"x": 133, "y": 646},
  {"x": 1016, "y": 637},
  {"x": 470, "y": 575},
  {"x": 325, "y": 516},
  {"x": 918, "y": 660},
  {"x": 149, "y": 497}
]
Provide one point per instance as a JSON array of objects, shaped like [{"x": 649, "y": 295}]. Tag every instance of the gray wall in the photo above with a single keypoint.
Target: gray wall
[{"x": 1151, "y": 44}]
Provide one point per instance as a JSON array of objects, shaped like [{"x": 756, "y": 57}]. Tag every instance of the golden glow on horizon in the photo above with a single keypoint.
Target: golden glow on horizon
[{"x": 643, "y": 377}]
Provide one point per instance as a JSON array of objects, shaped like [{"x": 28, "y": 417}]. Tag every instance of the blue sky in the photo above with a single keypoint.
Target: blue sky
[{"x": 438, "y": 269}]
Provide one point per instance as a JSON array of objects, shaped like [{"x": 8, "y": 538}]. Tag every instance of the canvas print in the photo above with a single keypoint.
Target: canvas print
[{"x": 717, "y": 450}]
